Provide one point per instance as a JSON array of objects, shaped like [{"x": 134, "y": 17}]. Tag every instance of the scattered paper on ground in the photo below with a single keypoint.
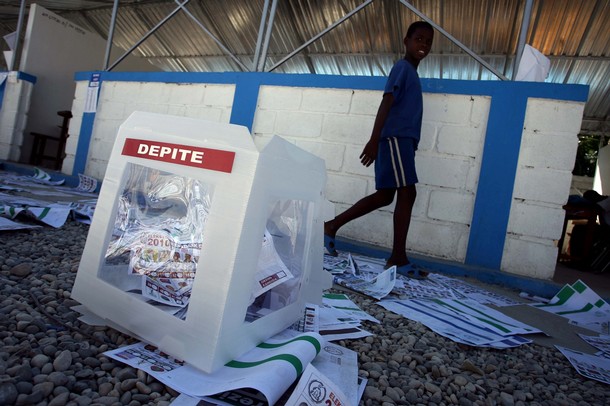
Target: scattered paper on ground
[
  {"x": 86, "y": 183},
  {"x": 38, "y": 198},
  {"x": 44, "y": 178},
  {"x": 310, "y": 321},
  {"x": 430, "y": 288},
  {"x": 358, "y": 272},
  {"x": 340, "y": 366},
  {"x": 463, "y": 321},
  {"x": 587, "y": 365},
  {"x": 331, "y": 323},
  {"x": 270, "y": 368},
  {"x": 466, "y": 290},
  {"x": 337, "y": 363},
  {"x": 335, "y": 324},
  {"x": 314, "y": 388},
  {"x": 364, "y": 277},
  {"x": 582, "y": 306},
  {"x": 6, "y": 224},
  {"x": 227, "y": 398},
  {"x": 344, "y": 303},
  {"x": 602, "y": 343}
]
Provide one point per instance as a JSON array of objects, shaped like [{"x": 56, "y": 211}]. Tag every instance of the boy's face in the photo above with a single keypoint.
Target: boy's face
[{"x": 419, "y": 43}]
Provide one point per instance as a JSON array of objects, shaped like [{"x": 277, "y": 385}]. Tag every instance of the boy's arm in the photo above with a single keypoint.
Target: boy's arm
[{"x": 369, "y": 153}]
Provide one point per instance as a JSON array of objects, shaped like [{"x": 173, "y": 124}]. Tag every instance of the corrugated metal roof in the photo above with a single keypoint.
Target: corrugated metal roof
[{"x": 575, "y": 35}]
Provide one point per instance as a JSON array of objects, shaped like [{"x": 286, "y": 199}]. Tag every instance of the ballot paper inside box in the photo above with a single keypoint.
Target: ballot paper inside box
[{"x": 201, "y": 244}]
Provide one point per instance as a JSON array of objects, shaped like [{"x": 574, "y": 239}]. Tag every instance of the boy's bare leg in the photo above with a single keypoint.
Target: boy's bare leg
[
  {"x": 379, "y": 199},
  {"x": 402, "y": 219}
]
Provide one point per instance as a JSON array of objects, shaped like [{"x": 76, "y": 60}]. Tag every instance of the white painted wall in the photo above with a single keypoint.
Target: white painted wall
[
  {"x": 336, "y": 123},
  {"x": 117, "y": 100},
  {"x": 13, "y": 116},
  {"x": 601, "y": 182},
  {"x": 54, "y": 49},
  {"x": 542, "y": 186}
]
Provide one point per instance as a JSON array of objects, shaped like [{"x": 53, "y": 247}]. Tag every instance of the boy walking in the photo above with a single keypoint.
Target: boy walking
[{"x": 392, "y": 147}]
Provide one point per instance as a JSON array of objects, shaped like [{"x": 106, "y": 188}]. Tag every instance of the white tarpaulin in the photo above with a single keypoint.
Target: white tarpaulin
[{"x": 534, "y": 66}]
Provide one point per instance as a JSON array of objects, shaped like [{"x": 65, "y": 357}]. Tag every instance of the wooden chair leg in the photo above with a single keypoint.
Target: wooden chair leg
[{"x": 39, "y": 144}]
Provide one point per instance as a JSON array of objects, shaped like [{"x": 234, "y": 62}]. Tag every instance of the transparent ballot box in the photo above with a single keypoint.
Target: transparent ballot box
[{"x": 201, "y": 244}]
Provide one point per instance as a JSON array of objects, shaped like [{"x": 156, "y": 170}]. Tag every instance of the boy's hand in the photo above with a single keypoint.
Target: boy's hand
[{"x": 369, "y": 153}]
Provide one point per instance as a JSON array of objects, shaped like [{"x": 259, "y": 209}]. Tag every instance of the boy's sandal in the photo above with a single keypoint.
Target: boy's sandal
[
  {"x": 329, "y": 245},
  {"x": 411, "y": 271}
]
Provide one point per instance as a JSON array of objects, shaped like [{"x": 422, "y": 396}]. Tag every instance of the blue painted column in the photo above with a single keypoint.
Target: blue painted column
[
  {"x": 497, "y": 179},
  {"x": 20, "y": 76},
  {"x": 84, "y": 140},
  {"x": 86, "y": 131},
  {"x": 245, "y": 100},
  {"x": 2, "y": 87}
]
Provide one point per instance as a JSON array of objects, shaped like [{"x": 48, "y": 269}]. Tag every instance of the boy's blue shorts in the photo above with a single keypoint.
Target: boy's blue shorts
[{"x": 395, "y": 163}]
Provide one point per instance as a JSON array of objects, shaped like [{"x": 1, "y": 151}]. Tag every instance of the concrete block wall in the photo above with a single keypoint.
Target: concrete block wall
[
  {"x": 542, "y": 186},
  {"x": 117, "y": 100},
  {"x": 335, "y": 124},
  {"x": 16, "y": 98},
  {"x": 492, "y": 161}
]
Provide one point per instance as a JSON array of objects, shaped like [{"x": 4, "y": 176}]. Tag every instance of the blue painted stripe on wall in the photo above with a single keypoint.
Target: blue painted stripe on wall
[
  {"x": 496, "y": 180},
  {"x": 246, "y": 91},
  {"x": 277, "y": 79},
  {"x": 26, "y": 77},
  {"x": 579, "y": 93},
  {"x": 2, "y": 87},
  {"x": 469, "y": 87},
  {"x": 21, "y": 76},
  {"x": 500, "y": 151},
  {"x": 84, "y": 140}
]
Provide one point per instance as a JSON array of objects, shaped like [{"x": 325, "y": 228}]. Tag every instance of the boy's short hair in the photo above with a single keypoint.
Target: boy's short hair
[{"x": 417, "y": 25}]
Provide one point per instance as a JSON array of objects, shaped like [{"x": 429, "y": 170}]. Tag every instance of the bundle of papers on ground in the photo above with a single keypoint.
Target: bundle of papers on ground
[
  {"x": 289, "y": 364},
  {"x": 32, "y": 201}
]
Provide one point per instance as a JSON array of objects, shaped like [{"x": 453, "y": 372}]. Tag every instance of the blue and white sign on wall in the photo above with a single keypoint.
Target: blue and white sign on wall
[{"x": 92, "y": 93}]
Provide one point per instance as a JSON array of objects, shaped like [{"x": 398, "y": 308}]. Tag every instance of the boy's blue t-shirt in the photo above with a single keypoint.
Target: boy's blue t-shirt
[{"x": 405, "y": 116}]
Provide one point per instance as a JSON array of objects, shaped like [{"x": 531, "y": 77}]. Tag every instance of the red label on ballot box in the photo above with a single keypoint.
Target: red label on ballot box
[{"x": 205, "y": 158}]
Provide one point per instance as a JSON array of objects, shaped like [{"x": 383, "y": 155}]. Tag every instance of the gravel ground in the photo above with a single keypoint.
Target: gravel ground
[{"x": 48, "y": 357}]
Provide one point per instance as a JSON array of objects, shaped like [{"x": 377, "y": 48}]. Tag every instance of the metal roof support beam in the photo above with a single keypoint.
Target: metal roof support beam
[
  {"x": 148, "y": 34},
  {"x": 321, "y": 34},
  {"x": 525, "y": 23},
  {"x": 260, "y": 62},
  {"x": 454, "y": 40},
  {"x": 167, "y": 18},
  {"x": 216, "y": 40},
  {"x": 110, "y": 34},
  {"x": 17, "y": 41},
  {"x": 259, "y": 39}
]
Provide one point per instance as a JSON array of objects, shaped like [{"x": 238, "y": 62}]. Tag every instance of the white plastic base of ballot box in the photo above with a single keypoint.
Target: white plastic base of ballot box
[{"x": 201, "y": 244}]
